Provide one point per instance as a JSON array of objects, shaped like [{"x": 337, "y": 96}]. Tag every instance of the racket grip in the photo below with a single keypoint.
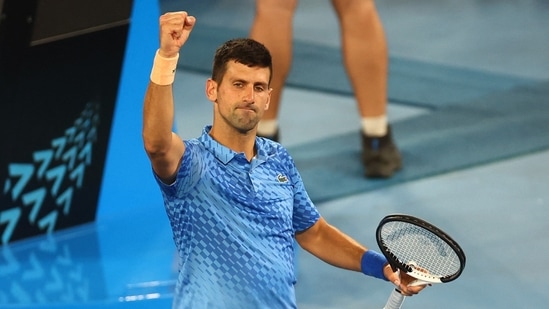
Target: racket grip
[{"x": 395, "y": 300}]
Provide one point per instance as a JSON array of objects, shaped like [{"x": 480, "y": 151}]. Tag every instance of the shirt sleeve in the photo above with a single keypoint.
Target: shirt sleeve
[{"x": 188, "y": 173}]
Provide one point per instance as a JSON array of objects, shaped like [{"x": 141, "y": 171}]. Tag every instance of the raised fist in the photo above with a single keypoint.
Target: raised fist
[{"x": 175, "y": 28}]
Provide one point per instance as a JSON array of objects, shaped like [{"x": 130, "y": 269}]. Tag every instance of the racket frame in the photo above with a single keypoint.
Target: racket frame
[
  {"x": 396, "y": 298},
  {"x": 415, "y": 272}
]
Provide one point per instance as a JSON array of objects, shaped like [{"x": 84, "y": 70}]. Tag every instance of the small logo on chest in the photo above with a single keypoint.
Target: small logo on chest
[{"x": 281, "y": 178}]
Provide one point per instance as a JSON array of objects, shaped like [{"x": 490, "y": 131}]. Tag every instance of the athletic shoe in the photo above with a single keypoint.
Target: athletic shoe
[{"x": 380, "y": 156}]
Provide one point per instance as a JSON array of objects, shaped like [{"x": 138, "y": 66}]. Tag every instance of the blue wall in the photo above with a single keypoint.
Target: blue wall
[{"x": 127, "y": 181}]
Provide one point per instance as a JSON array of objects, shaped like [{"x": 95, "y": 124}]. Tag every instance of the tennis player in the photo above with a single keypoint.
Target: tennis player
[{"x": 236, "y": 201}]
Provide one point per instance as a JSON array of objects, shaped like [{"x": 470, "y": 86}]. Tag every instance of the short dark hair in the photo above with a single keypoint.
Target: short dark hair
[{"x": 242, "y": 50}]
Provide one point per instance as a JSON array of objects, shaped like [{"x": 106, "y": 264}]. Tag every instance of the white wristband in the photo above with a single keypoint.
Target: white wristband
[{"x": 163, "y": 70}]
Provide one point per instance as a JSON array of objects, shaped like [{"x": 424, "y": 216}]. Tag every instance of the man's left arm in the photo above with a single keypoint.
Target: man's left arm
[{"x": 336, "y": 248}]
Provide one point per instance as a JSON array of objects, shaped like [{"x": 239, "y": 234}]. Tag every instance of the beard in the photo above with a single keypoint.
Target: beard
[{"x": 243, "y": 119}]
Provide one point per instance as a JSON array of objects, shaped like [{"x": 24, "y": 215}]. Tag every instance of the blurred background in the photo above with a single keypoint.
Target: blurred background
[{"x": 82, "y": 221}]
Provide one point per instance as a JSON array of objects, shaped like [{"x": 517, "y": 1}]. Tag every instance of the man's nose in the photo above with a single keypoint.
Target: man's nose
[{"x": 249, "y": 93}]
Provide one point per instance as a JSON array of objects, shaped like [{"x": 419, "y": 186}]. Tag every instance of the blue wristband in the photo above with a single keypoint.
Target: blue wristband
[{"x": 372, "y": 264}]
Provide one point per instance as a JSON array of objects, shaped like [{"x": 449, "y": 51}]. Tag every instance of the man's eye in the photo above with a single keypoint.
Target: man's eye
[{"x": 259, "y": 89}]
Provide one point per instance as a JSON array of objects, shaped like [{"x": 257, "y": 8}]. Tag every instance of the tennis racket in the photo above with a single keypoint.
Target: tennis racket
[{"x": 419, "y": 249}]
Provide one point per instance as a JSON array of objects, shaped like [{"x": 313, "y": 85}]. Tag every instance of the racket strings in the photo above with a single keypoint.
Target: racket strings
[{"x": 414, "y": 246}]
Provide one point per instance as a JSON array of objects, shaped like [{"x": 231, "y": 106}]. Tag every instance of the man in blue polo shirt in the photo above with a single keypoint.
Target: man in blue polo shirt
[{"x": 236, "y": 201}]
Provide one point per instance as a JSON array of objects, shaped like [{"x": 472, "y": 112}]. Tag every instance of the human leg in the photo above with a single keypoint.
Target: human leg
[
  {"x": 365, "y": 55},
  {"x": 273, "y": 26}
]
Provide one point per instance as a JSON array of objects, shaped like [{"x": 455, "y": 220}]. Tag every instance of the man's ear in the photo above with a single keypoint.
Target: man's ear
[
  {"x": 211, "y": 90},
  {"x": 269, "y": 99}
]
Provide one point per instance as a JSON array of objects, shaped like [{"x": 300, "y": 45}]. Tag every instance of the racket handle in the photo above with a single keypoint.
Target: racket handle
[{"x": 395, "y": 300}]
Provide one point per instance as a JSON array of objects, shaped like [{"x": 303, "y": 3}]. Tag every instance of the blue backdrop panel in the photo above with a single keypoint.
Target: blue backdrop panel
[
  {"x": 59, "y": 74},
  {"x": 128, "y": 181}
]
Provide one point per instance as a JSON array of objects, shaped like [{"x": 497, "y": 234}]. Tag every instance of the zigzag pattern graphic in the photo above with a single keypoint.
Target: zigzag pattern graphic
[{"x": 54, "y": 173}]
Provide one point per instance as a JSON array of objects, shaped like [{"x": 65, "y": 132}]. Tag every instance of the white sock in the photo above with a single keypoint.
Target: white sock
[
  {"x": 375, "y": 126},
  {"x": 267, "y": 127}
]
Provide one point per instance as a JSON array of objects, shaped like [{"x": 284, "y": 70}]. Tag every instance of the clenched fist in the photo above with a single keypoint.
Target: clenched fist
[{"x": 175, "y": 28}]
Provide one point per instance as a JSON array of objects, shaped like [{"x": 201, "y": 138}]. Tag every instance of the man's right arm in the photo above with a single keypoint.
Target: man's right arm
[{"x": 163, "y": 146}]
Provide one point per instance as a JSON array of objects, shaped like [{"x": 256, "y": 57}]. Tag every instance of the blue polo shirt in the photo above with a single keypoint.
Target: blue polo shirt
[{"x": 234, "y": 223}]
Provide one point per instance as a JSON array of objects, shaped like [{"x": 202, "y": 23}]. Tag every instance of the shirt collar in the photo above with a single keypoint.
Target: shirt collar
[{"x": 225, "y": 154}]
